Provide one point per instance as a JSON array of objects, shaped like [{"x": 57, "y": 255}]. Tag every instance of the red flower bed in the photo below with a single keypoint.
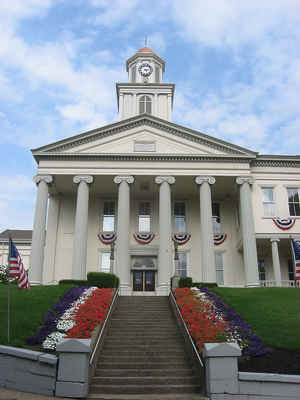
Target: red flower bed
[
  {"x": 203, "y": 324},
  {"x": 91, "y": 313}
]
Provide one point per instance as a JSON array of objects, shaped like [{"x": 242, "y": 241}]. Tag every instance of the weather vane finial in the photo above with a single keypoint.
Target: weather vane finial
[{"x": 146, "y": 41}]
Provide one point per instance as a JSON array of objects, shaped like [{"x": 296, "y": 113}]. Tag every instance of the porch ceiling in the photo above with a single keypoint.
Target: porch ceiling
[{"x": 144, "y": 186}]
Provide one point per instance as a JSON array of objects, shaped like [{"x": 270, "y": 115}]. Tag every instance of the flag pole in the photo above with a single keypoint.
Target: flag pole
[{"x": 8, "y": 292}]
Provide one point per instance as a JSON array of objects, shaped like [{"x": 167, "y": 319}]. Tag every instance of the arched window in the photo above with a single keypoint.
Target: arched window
[{"x": 145, "y": 104}]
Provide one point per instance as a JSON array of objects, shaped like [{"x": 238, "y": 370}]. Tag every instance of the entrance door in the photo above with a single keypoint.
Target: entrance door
[
  {"x": 144, "y": 281},
  {"x": 138, "y": 281},
  {"x": 149, "y": 281}
]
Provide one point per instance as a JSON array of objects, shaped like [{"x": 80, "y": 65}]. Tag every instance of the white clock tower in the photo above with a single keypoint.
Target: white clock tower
[{"x": 145, "y": 92}]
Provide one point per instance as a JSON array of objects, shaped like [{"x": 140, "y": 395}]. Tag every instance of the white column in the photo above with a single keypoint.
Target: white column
[
  {"x": 81, "y": 226},
  {"x": 165, "y": 262},
  {"x": 39, "y": 229},
  {"x": 51, "y": 239},
  {"x": 208, "y": 262},
  {"x": 122, "y": 258},
  {"x": 276, "y": 261},
  {"x": 248, "y": 231}
]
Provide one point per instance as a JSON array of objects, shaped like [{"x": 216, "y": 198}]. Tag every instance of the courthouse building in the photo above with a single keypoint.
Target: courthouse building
[{"x": 144, "y": 179}]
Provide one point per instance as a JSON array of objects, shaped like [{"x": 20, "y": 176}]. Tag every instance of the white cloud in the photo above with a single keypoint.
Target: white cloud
[
  {"x": 113, "y": 12},
  {"x": 12, "y": 189},
  {"x": 233, "y": 22},
  {"x": 261, "y": 37}
]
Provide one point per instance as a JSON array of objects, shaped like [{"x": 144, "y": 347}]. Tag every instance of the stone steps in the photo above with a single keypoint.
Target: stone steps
[
  {"x": 143, "y": 372},
  {"x": 143, "y": 354},
  {"x": 161, "y": 396},
  {"x": 144, "y": 365},
  {"x": 141, "y": 389},
  {"x": 144, "y": 380}
]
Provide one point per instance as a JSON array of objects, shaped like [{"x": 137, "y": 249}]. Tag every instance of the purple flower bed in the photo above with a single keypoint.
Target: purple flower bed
[
  {"x": 50, "y": 318},
  {"x": 254, "y": 344}
]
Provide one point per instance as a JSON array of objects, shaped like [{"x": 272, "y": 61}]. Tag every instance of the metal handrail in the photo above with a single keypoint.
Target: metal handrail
[
  {"x": 187, "y": 331},
  {"x": 103, "y": 326}
]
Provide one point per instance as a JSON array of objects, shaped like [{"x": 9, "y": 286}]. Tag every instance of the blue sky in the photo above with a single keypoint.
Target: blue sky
[{"x": 236, "y": 66}]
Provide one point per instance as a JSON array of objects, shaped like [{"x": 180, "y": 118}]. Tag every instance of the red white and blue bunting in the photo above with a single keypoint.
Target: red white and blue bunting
[
  {"x": 144, "y": 238},
  {"x": 181, "y": 238},
  {"x": 284, "y": 223},
  {"x": 107, "y": 238},
  {"x": 219, "y": 238}
]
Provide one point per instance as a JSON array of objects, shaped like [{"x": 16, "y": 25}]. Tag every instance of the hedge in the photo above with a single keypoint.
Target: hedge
[
  {"x": 185, "y": 282},
  {"x": 103, "y": 280},
  {"x": 76, "y": 282},
  {"x": 205, "y": 284}
]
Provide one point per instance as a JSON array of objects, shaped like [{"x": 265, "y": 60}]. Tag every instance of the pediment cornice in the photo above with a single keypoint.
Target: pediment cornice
[
  {"x": 149, "y": 121},
  {"x": 141, "y": 157}
]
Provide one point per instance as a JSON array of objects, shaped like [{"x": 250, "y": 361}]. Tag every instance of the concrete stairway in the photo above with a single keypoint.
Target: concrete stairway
[{"x": 143, "y": 354}]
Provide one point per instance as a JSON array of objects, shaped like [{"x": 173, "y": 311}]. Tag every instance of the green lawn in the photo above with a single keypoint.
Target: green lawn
[
  {"x": 27, "y": 309},
  {"x": 273, "y": 313}
]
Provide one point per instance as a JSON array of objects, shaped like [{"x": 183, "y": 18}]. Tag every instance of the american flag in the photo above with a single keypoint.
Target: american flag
[
  {"x": 296, "y": 255},
  {"x": 16, "y": 267}
]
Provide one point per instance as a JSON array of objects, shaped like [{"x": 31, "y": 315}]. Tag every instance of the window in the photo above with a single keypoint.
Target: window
[
  {"x": 108, "y": 222},
  {"x": 291, "y": 270},
  {"x": 133, "y": 74},
  {"x": 145, "y": 104},
  {"x": 261, "y": 270},
  {"x": 105, "y": 262},
  {"x": 268, "y": 201},
  {"x": 179, "y": 217},
  {"x": 144, "y": 216},
  {"x": 219, "y": 269},
  {"x": 144, "y": 146},
  {"x": 294, "y": 203},
  {"x": 182, "y": 265},
  {"x": 216, "y": 218}
]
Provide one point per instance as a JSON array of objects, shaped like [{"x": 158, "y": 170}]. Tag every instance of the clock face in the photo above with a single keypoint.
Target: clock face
[{"x": 145, "y": 69}]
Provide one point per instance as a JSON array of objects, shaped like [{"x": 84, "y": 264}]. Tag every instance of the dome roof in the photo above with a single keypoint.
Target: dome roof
[{"x": 145, "y": 50}]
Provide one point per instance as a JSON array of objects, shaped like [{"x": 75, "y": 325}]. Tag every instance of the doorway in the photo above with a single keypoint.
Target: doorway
[{"x": 143, "y": 281}]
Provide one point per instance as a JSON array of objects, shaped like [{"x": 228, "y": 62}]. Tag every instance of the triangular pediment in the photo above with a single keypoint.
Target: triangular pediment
[{"x": 143, "y": 134}]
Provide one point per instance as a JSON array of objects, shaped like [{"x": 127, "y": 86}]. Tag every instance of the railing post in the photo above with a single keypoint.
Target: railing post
[
  {"x": 221, "y": 364},
  {"x": 73, "y": 368}
]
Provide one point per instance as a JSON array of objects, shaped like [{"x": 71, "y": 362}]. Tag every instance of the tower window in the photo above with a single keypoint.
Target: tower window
[{"x": 145, "y": 104}]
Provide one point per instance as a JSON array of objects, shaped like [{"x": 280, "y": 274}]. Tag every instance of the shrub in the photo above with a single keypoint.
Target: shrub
[
  {"x": 185, "y": 282},
  {"x": 103, "y": 280},
  {"x": 76, "y": 282},
  {"x": 205, "y": 284}
]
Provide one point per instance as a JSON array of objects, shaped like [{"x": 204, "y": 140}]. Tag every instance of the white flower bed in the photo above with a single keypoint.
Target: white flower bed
[{"x": 66, "y": 321}]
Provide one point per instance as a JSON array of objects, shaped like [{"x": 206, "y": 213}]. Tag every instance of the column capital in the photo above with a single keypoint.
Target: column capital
[
  {"x": 244, "y": 179},
  {"x": 169, "y": 179},
  {"x": 274, "y": 240},
  {"x": 45, "y": 178},
  {"x": 201, "y": 179},
  {"x": 123, "y": 178},
  {"x": 84, "y": 178}
]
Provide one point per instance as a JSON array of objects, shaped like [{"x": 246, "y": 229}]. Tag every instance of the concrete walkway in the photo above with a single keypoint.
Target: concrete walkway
[{"x": 10, "y": 394}]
